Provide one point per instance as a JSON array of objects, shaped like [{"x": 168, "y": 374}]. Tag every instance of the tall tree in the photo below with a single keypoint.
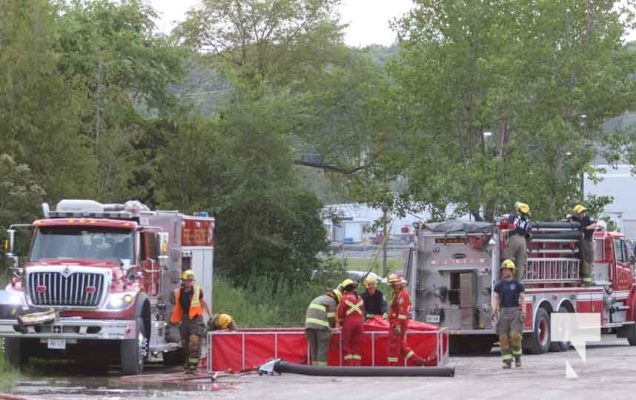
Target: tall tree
[
  {"x": 504, "y": 99},
  {"x": 38, "y": 110},
  {"x": 111, "y": 53}
]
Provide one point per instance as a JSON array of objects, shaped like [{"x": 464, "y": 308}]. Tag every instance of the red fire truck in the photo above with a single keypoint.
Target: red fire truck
[
  {"x": 454, "y": 266},
  {"x": 96, "y": 282}
]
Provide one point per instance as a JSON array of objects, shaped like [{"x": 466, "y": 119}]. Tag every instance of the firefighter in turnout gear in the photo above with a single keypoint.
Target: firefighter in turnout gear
[
  {"x": 586, "y": 244},
  {"x": 398, "y": 322},
  {"x": 517, "y": 247},
  {"x": 374, "y": 300},
  {"x": 509, "y": 309},
  {"x": 222, "y": 321},
  {"x": 320, "y": 319},
  {"x": 351, "y": 317},
  {"x": 188, "y": 306}
]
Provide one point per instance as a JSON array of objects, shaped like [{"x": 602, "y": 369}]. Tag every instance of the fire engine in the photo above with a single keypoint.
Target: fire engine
[
  {"x": 454, "y": 265},
  {"x": 97, "y": 280}
]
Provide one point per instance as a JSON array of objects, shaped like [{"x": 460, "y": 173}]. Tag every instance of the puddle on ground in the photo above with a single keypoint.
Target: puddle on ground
[{"x": 156, "y": 382}]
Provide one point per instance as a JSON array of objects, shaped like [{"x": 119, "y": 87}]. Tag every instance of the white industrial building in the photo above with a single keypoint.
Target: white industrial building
[
  {"x": 357, "y": 223},
  {"x": 619, "y": 183}
]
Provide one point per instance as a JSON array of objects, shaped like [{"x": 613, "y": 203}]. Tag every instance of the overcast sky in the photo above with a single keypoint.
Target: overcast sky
[{"x": 368, "y": 19}]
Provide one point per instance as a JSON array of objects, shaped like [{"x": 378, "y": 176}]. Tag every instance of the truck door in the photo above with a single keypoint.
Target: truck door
[
  {"x": 149, "y": 254},
  {"x": 622, "y": 279}
]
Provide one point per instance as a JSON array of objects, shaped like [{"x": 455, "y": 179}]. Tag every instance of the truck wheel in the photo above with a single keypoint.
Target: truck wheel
[
  {"x": 133, "y": 351},
  {"x": 15, "y": 355},
  {"x": 558, "y": 347},
  {"x": 539, "y": 340}
]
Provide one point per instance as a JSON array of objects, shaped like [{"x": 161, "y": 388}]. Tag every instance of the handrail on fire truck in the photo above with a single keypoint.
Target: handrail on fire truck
[{"x": 551, "y": 270}]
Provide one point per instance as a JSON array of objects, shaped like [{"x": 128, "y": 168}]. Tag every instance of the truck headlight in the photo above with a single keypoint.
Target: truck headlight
[
  {"x": 120, "y": 301},
  {"x": 8, "y": 297}
]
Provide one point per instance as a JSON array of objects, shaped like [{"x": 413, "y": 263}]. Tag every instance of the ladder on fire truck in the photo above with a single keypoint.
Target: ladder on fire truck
[{"x": 553, "y": 255}]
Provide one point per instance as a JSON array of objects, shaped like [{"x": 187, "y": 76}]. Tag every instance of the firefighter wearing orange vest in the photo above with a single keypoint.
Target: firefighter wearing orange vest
[
  {"x": 398, "y": 322},
  {"x": 188, "y": 306},
  {"x": 351, "y": 315}
]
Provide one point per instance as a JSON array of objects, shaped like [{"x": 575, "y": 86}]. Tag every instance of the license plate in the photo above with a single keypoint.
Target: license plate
[
  {"x": 57, "y": 344},
  {"x": 432, "y": 319}
]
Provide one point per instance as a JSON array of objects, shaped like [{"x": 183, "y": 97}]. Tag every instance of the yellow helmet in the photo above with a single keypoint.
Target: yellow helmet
[
  {"x": 335, "y": 293},
  {"x": 508, "y": 264},
  {"x": 579, "y": 208},
  {"x": 370, "y": 280},
  {"x": 523, "y": 207},
  {"x": 223, "y": 320},
  {"x": 187, "y": 275},
  {"x": 348, "y": 282}
]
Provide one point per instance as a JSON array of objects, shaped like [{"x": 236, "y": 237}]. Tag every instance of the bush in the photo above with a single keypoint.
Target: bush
[{"x": 264, "y": 302}]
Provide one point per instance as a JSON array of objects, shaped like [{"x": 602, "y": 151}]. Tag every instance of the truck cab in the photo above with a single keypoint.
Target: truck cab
[{"x": 97, "y": 275}]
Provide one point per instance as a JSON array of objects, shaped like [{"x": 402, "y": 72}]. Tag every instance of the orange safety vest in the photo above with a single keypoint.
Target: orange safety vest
[{"x": 196, "y": 309}]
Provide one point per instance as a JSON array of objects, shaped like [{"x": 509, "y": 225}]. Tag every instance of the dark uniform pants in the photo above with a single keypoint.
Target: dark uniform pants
[
  {"x": 192, "y": 333},
  {"x": 510, "y": 328},
  {"x": 318, "y": 340},
  {"x": 587, "y": 258},
  {"x": 516, "y": 250}
]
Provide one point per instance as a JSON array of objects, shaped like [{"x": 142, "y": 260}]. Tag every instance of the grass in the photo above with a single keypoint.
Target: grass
[
  {"x": 8, "y": 375},
  {"x": 266, "y": 303}
]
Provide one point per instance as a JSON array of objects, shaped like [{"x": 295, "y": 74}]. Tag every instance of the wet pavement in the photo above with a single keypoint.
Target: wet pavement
[{"x": 607, "y": 373}]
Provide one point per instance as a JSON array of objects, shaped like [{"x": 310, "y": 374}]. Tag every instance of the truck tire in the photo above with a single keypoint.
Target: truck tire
[
  {"x": 15, "y": 355},
  {"x": 539, "y": 339},
  {"x": 559, "y": 347},
  {"x": 133, "y": 351}
]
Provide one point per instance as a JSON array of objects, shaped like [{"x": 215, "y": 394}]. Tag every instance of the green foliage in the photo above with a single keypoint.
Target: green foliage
[
  {"x": 122, "y": 71},
  {"x": 8, "y": 375},
  {"x": 540, "y": 77},
  {"x": 265, "y": 302}
]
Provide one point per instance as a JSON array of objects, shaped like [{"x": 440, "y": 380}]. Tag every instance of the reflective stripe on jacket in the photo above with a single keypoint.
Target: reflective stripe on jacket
[
  {"x": 196, "y": 309},
  {"x": 321, "y": 313}
]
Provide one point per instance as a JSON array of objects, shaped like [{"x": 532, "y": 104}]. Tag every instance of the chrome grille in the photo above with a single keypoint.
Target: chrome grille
[{"x": 78, "y": 289}]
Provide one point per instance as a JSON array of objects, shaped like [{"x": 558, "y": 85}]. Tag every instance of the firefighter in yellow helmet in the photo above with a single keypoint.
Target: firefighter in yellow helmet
[
  {"x": 320, "y": 319},
  {"x": 398, "y": 322},
  {"x": 508, "y": 306},
  {"x": 222, "y": 321},
  {"x": 187, "y": 312},
  {"x": 586, "y": 245},
  {"x": 517, "y": 247},
  {"x": 351, "y": 316},
  {"x": 374, "y": 299}
]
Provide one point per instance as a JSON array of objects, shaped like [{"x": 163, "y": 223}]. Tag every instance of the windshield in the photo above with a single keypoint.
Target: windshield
[{"x": 95, "y": 243}]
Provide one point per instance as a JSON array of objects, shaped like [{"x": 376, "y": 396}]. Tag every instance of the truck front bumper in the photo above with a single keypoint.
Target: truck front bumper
[{"x": 71, "y": 328}]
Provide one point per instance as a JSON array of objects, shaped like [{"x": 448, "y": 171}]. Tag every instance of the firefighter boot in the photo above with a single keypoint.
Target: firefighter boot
[
  {"x": 518, "y": 361},
  {"x": 507, "y": 364}
]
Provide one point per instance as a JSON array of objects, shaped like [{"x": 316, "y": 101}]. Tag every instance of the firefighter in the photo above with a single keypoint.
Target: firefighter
[
  {"x": 188, "y": 306},
  {"x": 320, "y": 319},
  {"x": 509, "y": 309},
  {"x": 586, "y": 242},
  {"x": 517, "y": 247},
  {"x": 398, "y": 322},
  {"x": 374, "y": 300},
  {"x": 351, "y": 316},
  {"x": 222, "y": 321}
]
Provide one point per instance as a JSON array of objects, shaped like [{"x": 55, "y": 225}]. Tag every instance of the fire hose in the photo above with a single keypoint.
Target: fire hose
[{"x": 279, "y": 366}]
